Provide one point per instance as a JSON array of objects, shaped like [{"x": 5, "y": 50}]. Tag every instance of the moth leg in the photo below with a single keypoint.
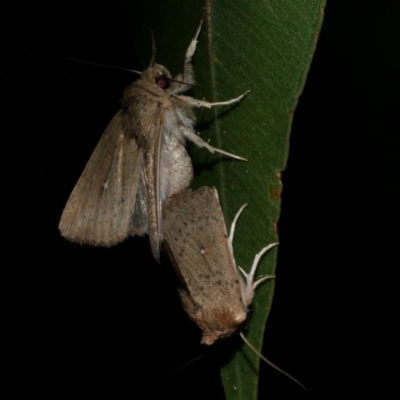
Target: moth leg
[
  {"x": 250, "y": 284},
  {"x": 250, "y": 276},
  {"x": 185, "y": 80},
  {"x": 202, "y": 103},
  {"x": 187, "y": 75},
  {"x": 198, "y": 141},
  {"x": 232, "y": 231}
]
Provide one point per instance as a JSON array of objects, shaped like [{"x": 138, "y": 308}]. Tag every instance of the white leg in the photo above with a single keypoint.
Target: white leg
[
  {"x": 250, "y": 284},
  {"x": 185, "y": 80},
  {"x": 232, "y": 231},
  {"x": 250, "y": 276},
  {"x": 187, "y": 67},
  {"x": 198, "y": 141},
  {"x": 202, "y": 103}
]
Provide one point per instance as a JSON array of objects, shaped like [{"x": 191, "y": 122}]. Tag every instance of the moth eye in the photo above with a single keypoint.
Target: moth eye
[{"x": 163, "y": 82}]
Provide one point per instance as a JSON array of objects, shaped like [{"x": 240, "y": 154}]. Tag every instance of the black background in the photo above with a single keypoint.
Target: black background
[{"x": 87, "y": 323}]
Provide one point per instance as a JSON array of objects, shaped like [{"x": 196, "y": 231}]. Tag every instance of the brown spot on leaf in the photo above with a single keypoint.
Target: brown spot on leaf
[{"x": 275, "y": 193}]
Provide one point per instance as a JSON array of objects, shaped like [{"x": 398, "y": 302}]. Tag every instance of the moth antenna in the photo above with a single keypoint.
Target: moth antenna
[
  {"x": 189, "y": 362},
  {"x": 103, "y": 65},
  {"x": 153, "y": 50},
  {"x": 232, "y": 231},
  {"x": 184, "y": 83},
  {"x": 270, "y": 362}
]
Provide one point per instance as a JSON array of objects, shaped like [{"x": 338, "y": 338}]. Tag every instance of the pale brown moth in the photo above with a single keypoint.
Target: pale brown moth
[
  {"x": 214, "y": 295},
  {"x": 195, "y": 238},
  {"x": 140, "y": 160}
]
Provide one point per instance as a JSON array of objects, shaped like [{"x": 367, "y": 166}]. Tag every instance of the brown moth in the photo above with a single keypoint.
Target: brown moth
[
  {"x": 140, "y": 160},
  {"x": 195, "y": 237},
  {"x": 214, "y": 295}
]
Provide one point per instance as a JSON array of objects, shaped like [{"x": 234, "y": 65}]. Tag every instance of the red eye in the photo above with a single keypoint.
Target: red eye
[{"x": 163, "y": 82}]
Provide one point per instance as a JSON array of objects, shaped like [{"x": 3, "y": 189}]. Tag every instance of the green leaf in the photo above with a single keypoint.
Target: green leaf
[{"x": 267, "y": 47}]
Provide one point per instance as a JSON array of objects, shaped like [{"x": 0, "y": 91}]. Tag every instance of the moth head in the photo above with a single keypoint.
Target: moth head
[
  {"x": 221, "y": 328},
  {"x": 217, "y": 320},
  {"x": 157, "y": 76}
]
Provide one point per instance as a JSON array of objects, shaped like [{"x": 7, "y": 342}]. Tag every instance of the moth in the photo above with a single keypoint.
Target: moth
[
  {"x": 139, "y": 161},
  {"x": 214, "y": 294}
]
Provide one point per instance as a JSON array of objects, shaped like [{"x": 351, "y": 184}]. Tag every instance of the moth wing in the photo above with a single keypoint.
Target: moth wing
[
  {"x": 152, "y": 172},
  {"x": 100, "y": 208},
  {"x": 195, "y": 236},
  {"x": 139, "y": 224}
]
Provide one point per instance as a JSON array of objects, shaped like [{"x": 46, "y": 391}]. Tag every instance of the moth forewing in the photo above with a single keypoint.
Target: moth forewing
[
  {"x": 105, "y": 193},
  {"x": 139, "y": 162},
  {"x": 152, "y": 167}
]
